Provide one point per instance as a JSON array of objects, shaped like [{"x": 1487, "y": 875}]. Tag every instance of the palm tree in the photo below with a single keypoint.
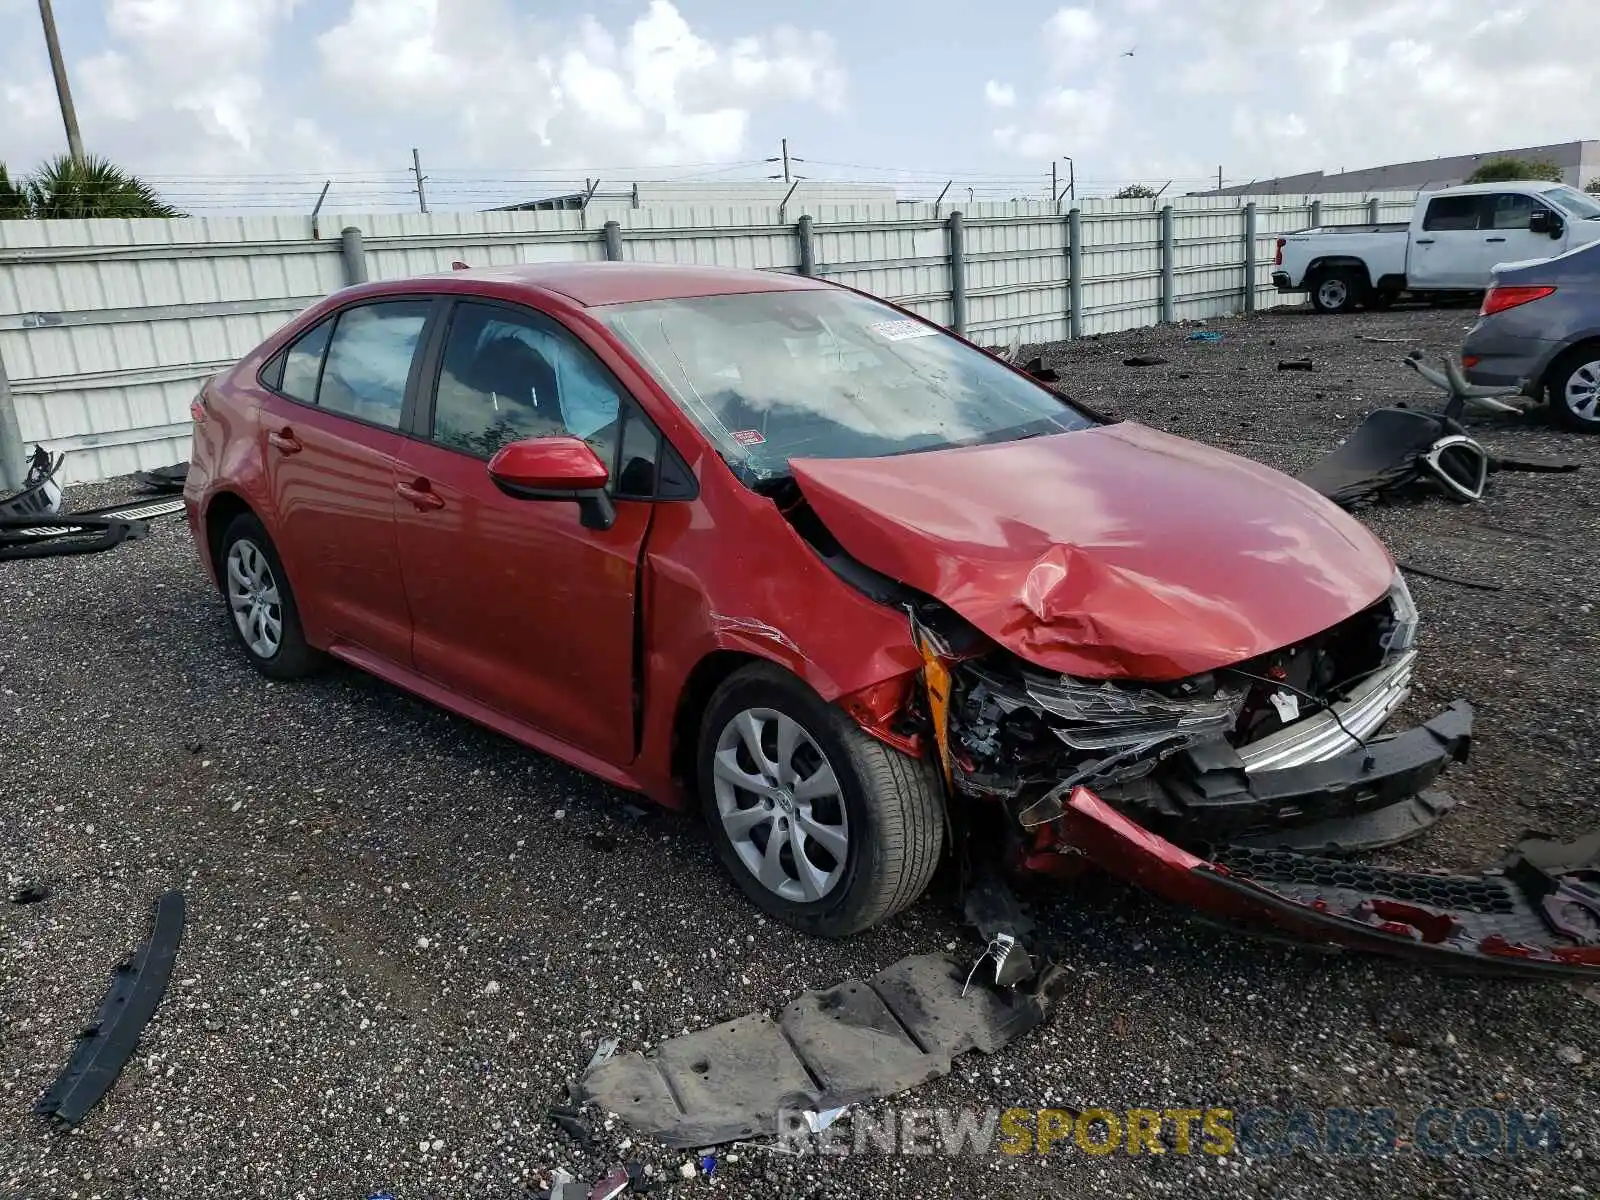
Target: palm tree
[
  {"x": 13, "y": 199},
  {"x": 64, "y": 189}
]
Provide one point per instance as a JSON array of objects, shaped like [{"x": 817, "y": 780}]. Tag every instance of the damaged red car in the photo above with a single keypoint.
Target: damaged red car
[{"x": 851, "y": 584}]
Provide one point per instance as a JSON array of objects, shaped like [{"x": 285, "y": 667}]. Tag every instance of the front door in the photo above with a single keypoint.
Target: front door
[
  {"x": 1506, "y": 236},
  {"x": 330, "y": 438},
  {"x": 514, "y": 603}
]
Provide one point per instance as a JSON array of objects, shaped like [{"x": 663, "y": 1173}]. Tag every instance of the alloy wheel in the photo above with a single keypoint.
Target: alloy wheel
[
  {"x": 781, "y": 805},
  {"x": 254, "y": 598},
  {"x": 1582, "y": 391}
]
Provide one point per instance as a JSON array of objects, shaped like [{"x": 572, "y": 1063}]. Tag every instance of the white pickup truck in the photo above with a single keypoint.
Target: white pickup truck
[{"x": 1454, "y": 240}]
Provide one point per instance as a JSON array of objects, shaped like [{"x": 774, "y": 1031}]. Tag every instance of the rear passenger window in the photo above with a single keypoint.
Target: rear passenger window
[
  {"x": 369, "y": 360},
  {"x": 303, "y": 363},
  {"x": 1452, "y": 212}
]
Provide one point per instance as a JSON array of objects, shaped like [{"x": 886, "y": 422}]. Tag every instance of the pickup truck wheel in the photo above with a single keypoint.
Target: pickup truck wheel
[
  {"x": 825, "y": 828},
  {"x": 1574, "y": 388},
  {"x": 1335, "y": 291}
]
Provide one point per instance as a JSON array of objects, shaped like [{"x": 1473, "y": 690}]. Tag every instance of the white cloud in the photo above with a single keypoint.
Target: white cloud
[
  {"x": 1000, "y": 95},
  {"x": 521, "y": 87},
  {"x": 1274, "y": 89}
]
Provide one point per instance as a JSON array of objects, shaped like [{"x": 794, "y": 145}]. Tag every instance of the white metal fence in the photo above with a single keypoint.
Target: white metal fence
[{"x": 108, "y": 327}]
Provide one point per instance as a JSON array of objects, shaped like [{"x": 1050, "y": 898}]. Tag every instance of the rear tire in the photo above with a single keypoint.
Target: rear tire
[
  {"x": 1337, "y": 290},
  {"x": 1573, "y": 387},
  {"x": 261, "y": 608},
  {"x": 860, "y": 825}
]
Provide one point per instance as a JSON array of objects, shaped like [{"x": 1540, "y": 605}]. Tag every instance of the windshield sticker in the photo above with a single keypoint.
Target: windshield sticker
[
  {"x": 899, "y": 331},
  {"x": 748, "y": 437}
]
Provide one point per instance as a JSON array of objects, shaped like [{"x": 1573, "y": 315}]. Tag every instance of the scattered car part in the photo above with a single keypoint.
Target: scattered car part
[
  {"x": 1295, "y": 364},
  {"x": 137, "y": 986},
  {"x": 39, "y": 495},
  {"x": 31, "y": 893},
  {"x": 993, "y": 909},
  {"x": 1537, "y": 916},
  {"x": 1036, "y": 368},
  {"x": 1482, "y": 585},
  {"x": 164, "y": 479},
  {"x": 55, "y": 537},
  {"x": 1205, "y": 335},
  {"x": 855, "y": 1041},
  {"x": 1394, "y": 448},
  {"x": 1144, "y": 360},
  {"x": 612, "y": 1184},
  {"x": 570, "y": 1121}
]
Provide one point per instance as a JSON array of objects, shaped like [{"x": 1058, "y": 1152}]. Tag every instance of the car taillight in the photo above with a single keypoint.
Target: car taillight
[
  {"x": 1277, "y": 259},
  {"x": 1498, "y": 299}
]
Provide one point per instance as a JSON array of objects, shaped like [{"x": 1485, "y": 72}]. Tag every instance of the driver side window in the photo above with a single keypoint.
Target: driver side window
[{"x": 509, "y": 374}]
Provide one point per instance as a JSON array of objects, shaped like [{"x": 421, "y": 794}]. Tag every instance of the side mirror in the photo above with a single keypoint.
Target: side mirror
[
  {"x": 1542, "y": 220},
  {"x": 556, "y": 468}
]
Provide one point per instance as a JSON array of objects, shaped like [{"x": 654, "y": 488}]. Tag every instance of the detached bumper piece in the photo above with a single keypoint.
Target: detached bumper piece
[
  {"x": 1538, "y": 915},
  {"x": 57, "y": 537},
  {"x": 137, "y": 985},
  {"x": 856, "y": 1041},
  {"x": 1210, "y": 793}
]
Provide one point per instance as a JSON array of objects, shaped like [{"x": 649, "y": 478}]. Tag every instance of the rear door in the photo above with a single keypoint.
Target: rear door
[
  {"x": 514, "y": 602},
  {"x": 1446, "y": 252},
  {"x": 331, "y": 422}
]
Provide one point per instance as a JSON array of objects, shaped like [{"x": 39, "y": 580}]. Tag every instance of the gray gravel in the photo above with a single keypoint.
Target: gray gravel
[{"x": 406, "y": 934}]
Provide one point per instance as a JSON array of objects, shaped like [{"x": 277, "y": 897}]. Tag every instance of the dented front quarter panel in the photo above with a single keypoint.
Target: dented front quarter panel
[
  {"x": 727, "y": 573},
  {"x": 1114, "y": 552}
]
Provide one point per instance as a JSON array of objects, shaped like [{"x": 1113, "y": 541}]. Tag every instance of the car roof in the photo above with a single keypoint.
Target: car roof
[
  {"x": 592, "y": 284},
  {"x": 1477, "y": 189}
]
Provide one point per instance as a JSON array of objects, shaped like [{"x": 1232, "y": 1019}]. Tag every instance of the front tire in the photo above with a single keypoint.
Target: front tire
[
  {"x": 261, "y": 607},
  {"x": 822, "y": 826},
  {"x": 1574, "y": 389}
]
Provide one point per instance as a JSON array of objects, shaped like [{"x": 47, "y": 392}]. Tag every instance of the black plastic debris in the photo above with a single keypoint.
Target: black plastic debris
[
  {"x": 1482, "y": 585},
  {"x": 993, "y": 909},
  {"x": 1035, "y": 367},
  {"x": 1144, "y": 360},
  {"x": 1295, "y": 364},
  {"x": 57, "y": 537},
  {"x": 164, "y": 479},
  {"x": 612, "y": 1184},
  {"x": 31, "y": 893},
  {"x": 856, "y": 1041},
  {"x": 137, "y": 986},
  {"x": 570, "y": 1121}
]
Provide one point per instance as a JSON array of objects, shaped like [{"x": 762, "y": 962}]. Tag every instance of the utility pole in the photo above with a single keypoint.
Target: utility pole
[
  {"x": 1055, "y": 202},
  {"x": 1219, "y": 177},
  {"x": 785, "y": 160},
  {"x": 58, "y": 66},
  {"x": 416, "y": 169}
]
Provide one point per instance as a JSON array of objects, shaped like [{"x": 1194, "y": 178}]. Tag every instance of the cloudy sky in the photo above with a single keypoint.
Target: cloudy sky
[{"x": 502, "y": 94}]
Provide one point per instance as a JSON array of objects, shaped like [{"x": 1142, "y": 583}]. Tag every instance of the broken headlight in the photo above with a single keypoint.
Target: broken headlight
[
  {"x": 1112, "y": 716},
  {"x": 1402, "y": 631}
]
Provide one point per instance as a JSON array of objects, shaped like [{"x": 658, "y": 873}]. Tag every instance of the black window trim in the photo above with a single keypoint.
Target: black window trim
[
  {"x": 408, "y": 401},
  {"x": 419, "y": 426}
]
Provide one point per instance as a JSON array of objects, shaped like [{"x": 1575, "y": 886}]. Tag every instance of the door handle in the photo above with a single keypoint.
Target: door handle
[
  {"x": 285, "y": 440},
  {"x": 1494, "y": 239},
  {"x": 1422, "y": 241},
  {"x": 420, "y": 494}
]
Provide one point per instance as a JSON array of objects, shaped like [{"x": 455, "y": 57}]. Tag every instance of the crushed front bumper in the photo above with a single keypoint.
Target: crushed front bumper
[
  {"x": 1537, "y": 915},
  {"x": 1211, "y": 793}
]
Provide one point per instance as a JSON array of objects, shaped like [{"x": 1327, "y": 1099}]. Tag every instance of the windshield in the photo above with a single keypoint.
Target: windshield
[
  {"x": 1573, "y": 202},
  {"x": 770, "y": 376}
]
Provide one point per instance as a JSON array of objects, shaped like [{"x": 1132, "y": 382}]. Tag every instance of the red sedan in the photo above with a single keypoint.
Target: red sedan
[{"x": 850, "y": 583}]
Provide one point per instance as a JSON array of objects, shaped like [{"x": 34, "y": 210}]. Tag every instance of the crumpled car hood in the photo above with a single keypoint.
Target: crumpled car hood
[{"x": 1111, "y": 552}]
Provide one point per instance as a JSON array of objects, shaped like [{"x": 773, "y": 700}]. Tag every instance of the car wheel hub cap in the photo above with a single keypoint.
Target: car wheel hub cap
[
  {"x": 254, "y": 599},
  {"x": 1583, "y": 391},
  {"x": 781, "y": 805},
  {"x": 1333, "y": 293}
]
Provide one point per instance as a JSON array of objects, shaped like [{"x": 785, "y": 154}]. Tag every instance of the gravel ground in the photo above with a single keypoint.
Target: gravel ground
[{"x": 407, "y": 934}]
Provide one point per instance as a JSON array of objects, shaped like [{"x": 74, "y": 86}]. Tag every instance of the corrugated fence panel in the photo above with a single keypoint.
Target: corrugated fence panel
[{"x": 107, "y": 327}]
